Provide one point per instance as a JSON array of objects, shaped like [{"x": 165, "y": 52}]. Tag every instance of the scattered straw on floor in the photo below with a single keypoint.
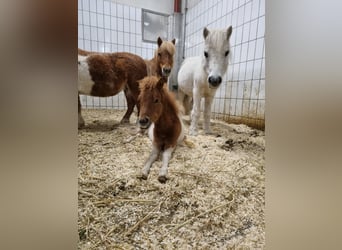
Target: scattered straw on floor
[{"x": 214, "y": 197}]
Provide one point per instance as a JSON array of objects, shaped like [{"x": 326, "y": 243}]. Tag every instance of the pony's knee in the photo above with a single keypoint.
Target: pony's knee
[
  {"x": 194, "y": 115},
  {"x": 187, "y": 104},
  {"x": 207, "y": 116}
]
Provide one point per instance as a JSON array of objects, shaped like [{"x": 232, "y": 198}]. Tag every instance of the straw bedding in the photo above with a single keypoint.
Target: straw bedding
[{"x": 214, "y": 197}]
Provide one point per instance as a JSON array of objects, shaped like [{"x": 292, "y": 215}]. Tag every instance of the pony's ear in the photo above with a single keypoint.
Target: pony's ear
[
  {"x": 160, "y": 41},
  {"x": 205, "y": 32},
  {"x": 161, "y": 82},
  {"x": 174, "y": 41},
  {"x": 229, "y": 32}
]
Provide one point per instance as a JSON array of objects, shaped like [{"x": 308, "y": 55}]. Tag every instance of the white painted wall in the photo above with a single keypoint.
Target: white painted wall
[{"x": 162, "y": 6}]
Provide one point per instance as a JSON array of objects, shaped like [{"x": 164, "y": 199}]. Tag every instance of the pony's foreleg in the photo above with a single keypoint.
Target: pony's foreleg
[
  {"x": 80, "y": 118},
  {"x": 185, "y": 101},
  {"x": 187, "y": 104},
  {"x": 195, "y": 113},
  {"x": 180, "y": 96},
  {"x": 153, "y": 156},
  {"x": 130, "y": 105},
  {"x": 163, "y": 171},
  {"x": 207, "y": 114}
]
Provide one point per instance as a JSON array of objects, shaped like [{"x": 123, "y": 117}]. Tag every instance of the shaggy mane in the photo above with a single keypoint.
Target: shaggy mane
[
  {"x": 168, "y": 46},
  {"x": 216, "y": 37}
]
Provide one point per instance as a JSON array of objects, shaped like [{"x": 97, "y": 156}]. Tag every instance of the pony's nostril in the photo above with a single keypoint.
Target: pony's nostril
[
  {"x": 166, "y": 70},
  {"x": 144, "y": 121},
  {"x": 215, "y": 81},
  {"x": 210, "y": 79}
]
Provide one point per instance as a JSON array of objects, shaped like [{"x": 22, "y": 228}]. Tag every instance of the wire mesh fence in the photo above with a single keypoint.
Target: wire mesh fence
[{"x": 107, "y": 26}]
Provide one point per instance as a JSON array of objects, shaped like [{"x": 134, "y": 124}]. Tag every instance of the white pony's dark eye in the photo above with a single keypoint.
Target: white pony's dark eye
[
  {"x": 206, "y": 54},
  {"x": 227, "y": 52}
]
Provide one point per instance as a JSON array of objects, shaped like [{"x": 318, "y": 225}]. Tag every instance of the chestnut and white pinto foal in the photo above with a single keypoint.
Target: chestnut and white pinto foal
[
  {"x": 202, "y": 75},
  {"x": 160, "y": 114}
]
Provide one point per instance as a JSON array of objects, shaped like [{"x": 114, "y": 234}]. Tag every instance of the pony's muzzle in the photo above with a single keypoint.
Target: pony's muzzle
[
  {"x": 144, "y": 122},
  {"x": 166, "y": 71},
  {"x": 214, "y": 81}
]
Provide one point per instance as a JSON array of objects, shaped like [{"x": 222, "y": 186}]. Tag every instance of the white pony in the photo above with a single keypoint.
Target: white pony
[{"x": 202, "y": 75}]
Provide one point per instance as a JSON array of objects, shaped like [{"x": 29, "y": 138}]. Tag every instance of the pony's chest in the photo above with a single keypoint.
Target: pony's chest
[
  {"x": 204, "y": 90},
  {"x": 165, "y": 136},
  {"x": 85, "y": 82}
]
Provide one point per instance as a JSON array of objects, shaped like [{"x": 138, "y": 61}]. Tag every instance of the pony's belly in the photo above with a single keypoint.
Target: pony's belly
[
  {"x": 186, "y": 76},
  {"x": 191, "y": 74},
  {"x": 85, "y": 83},
  {"x": 186, "y": 87},
  {"x": 185, "y": 83},
  {"x": 85, "y": 87}
]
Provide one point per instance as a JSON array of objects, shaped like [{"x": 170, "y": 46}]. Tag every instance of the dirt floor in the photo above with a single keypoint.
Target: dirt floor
[{"x": 214, "y": 197}]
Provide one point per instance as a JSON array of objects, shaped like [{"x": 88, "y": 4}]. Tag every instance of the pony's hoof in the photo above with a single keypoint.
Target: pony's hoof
[
  {"x": 193, "y": 132},
  {"x": 208, "y": 132},
  {"x": 124, "y": 121},
  {"x": 142, "y": 177},
  {"x": 162, "y": 179},
  {"x": 81, "y": 125}
]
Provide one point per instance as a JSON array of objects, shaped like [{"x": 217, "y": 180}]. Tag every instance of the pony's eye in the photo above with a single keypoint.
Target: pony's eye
[
  {"x": 156, "y": 100},
  {"x": 206, "y": 54},
  {"x": 159, "y": 54},
  {"x": 227, "y": 52}
]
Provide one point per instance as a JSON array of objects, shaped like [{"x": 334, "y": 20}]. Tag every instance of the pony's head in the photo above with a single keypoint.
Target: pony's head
[
  {"x": 216, "y": 54},
  {"x": 164, "y": 54},
  {"x": 151, "y": 100}
]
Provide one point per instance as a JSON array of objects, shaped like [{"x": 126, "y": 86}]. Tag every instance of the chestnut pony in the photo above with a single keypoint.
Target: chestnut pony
[
  {"x": 106, "y": 74},
  {"x": 160, "y": 114},
  {"x": 162, "y": 62}
]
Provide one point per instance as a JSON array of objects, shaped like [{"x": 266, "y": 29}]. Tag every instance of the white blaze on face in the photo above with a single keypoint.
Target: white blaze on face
[
  {"x": 150, "y": 131},
  {"x": 85, "y": 83}
]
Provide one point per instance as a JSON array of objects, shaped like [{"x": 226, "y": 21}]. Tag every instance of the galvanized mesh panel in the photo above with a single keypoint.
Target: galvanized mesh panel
[{"x": 106, "y": 26}]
